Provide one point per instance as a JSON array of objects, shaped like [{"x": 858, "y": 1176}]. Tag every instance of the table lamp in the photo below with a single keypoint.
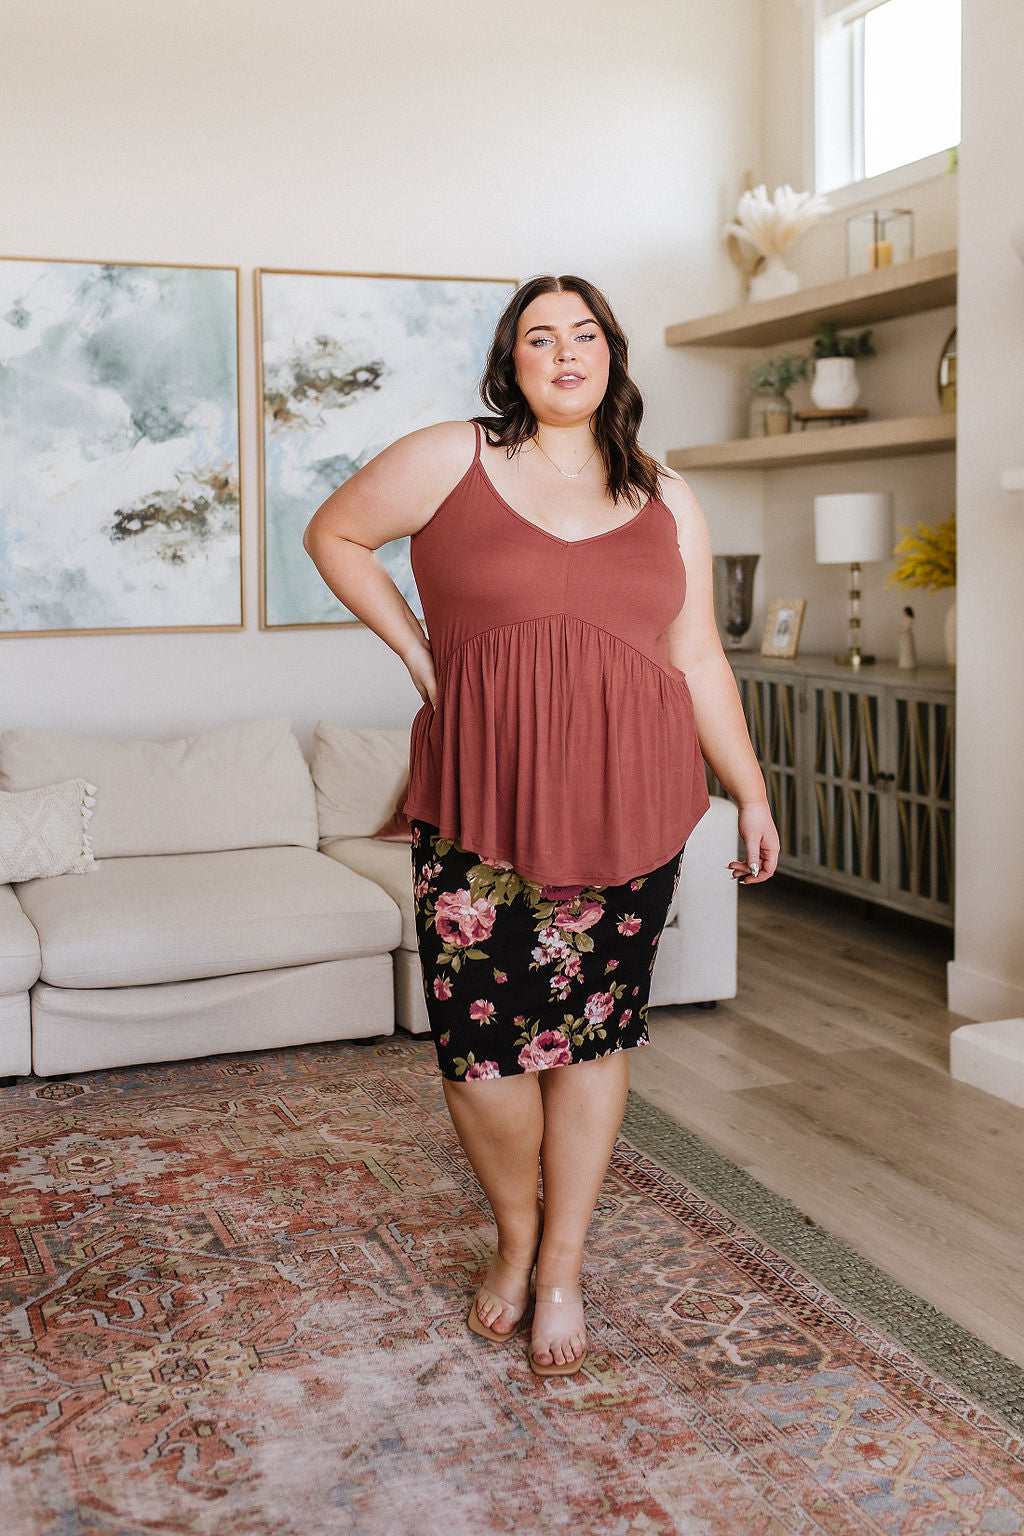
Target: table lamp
[{"x": 850, "y": 529}]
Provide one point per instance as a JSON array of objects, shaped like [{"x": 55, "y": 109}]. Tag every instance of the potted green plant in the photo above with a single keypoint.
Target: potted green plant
[
  {"x": 771, "y": 409},
  {"x": 836, "y": 386}
]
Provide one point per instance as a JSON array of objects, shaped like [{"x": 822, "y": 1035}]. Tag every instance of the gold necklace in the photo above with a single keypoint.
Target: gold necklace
[{"x": 566, "y": 475}]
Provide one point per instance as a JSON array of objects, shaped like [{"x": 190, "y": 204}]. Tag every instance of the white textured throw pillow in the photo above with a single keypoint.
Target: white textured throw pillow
[{"x": 45, "y": 831}]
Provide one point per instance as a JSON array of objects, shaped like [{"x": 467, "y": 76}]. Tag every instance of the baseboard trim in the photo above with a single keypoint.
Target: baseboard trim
[
  {"x": 991, "y": 1057},
  {"x": 977, "y": 996}
]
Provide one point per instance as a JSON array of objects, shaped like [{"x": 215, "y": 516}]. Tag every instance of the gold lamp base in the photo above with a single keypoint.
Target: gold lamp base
[{"x": 854, "y": 659}]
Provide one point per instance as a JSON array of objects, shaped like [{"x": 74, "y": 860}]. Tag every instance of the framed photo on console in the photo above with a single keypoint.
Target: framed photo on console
[
  {"x": 782, "y": 627},
  {"x": 349, "y": 362},
  {"x": 120, "y": 508}
]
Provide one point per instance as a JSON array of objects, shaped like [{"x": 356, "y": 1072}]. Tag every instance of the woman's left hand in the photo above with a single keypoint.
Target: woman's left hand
[{"x": 760, "y": 842}]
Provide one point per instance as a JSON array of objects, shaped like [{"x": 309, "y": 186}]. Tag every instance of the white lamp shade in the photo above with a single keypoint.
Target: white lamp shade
[{"x": 855, "y": 526}]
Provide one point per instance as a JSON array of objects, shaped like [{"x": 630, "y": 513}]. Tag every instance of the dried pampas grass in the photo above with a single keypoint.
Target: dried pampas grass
[{"x": 770, "y": 225}]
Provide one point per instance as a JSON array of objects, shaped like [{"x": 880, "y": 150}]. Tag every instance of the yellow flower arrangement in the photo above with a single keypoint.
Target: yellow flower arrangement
[{"x": 927, "y": 558}]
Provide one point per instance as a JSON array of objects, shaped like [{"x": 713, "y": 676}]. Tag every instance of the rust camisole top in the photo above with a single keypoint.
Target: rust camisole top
[{"x": 563, "y": 741}]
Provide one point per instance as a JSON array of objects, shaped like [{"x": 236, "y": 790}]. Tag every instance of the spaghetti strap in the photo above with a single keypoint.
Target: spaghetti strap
[{"x": 479, "y": 439}]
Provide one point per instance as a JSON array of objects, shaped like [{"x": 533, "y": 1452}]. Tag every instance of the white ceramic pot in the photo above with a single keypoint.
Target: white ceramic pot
[
  {"x": 773, "y": 281},
  {"x": 836, "y": 385}
]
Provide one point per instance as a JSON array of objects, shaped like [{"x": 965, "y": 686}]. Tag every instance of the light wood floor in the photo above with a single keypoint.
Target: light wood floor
[{"x": 827, "y": 1079}]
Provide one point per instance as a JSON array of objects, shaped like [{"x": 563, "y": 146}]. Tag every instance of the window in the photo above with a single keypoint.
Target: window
[{"x": 887, "y": 85}]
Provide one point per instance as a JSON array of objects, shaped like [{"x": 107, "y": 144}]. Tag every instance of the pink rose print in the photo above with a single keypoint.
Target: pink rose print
[
  {"x": 577, "y": 922},
  {"x": 625, "y": 1018},
  {"x": 481, "y": 1069},
  {"x": 481, "y": 1011},
  {"x": 421, "y": 888},
  {"x": 634, "y": 885},
  {"x": 611, "y": 965},
  {"x": 629, "y": 925},
  {"x": 549, "y": 1049},
  {"x": 500, "y": 976},
  {"x": 571, "y": 965},
  {"x": 460, "y": 921},
  {"x": 415, "y": 837},
  {"x": 442, "y": 989},
  {"x": 550, "y": 948},
  {"x": 598, "y": 1006}
]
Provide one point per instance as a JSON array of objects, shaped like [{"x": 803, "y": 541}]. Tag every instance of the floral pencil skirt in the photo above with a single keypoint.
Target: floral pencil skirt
[{"x": 519, "y": 977}]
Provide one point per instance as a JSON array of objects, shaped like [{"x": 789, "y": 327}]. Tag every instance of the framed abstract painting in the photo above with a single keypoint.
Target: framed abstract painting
[
  {"x": 349, "y": 362},
  {"x": 120, "y": 507}
]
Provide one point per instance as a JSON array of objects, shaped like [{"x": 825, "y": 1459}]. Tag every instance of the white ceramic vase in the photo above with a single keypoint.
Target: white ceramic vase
[
  {"x": 773, "y": 281},
  {"x": 836, "y": 385}
]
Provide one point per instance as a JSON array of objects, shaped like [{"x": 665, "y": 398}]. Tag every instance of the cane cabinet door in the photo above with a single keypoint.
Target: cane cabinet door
[
  {"x": 847, "y": 746},
  {"x": 922, "y": 804},
  {"x": 859, "y": 772}
]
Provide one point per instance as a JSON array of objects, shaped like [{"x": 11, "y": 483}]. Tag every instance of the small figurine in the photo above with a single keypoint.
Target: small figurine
[{"x": 908, "y": 651}]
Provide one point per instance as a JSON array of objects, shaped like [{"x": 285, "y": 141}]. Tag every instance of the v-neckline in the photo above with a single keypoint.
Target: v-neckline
[{"x": 590, "y": 538}]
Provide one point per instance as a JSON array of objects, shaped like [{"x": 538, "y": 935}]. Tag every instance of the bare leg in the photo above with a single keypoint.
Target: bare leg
[
  {"x": 500, "y": 1122},
  {"x": 583, "y": 1108}
]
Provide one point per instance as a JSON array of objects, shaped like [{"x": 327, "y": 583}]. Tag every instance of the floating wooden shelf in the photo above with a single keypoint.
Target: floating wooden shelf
[
  {"x": 904, "y": 289},
  {"x": 831, "y": 445}
]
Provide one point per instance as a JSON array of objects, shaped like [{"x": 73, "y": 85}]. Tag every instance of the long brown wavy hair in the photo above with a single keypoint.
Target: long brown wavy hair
[{"x": 630, "y": 473}]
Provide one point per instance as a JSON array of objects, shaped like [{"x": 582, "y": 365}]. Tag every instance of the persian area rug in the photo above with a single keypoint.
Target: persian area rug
[{"x": 235, "y": 1302}]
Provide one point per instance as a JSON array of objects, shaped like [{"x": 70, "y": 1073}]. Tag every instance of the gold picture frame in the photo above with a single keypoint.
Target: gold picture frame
[
  {"x": 325, "y": 339},
  {"x": 179, "y": 493},
  {"x": 782, "y": 627}
]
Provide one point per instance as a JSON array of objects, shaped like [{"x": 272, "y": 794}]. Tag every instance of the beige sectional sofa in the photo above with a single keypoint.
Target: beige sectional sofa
[
  {"x": 211, "y": 922},
  {"x": 241, "y": 901},
  {"x": 20, "y": 965}
]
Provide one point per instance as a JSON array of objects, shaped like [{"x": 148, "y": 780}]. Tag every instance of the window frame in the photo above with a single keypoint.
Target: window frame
[{"x": 857, "y": 189}]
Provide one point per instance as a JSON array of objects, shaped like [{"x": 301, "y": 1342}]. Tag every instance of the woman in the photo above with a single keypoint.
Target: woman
[{"x": 556, "y": 764}]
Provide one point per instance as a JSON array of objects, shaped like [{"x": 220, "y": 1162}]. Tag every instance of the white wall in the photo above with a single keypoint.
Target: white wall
[
  {"x": 987, "y": 976},
  {"x": 773, "y": 512},
  {"x": 394, "y": 137}
]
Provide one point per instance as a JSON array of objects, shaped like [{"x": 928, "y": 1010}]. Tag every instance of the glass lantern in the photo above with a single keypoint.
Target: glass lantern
[
  {"x": 734, "y": 595},
  {"x": 880, "y": 238}
]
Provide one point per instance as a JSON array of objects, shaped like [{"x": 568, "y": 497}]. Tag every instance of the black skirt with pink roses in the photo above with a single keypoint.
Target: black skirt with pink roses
[{"x": 519, "y": 977}]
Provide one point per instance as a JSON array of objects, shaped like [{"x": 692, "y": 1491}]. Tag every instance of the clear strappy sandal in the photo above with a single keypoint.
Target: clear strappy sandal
[
  {"x": 557, "y": 1294},
  {"x": 476, "y": 1323}
]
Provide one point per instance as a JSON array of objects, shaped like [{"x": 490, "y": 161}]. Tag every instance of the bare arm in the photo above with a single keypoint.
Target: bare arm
[
  {"x": 694, "y": 647},
  {"x": 392, "y": 496}
]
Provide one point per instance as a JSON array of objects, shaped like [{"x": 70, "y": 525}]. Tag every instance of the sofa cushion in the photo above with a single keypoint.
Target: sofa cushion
[
  {"x": 388, "y": 865},
  {"x": 19, "y": 946},
  {"x": 243, "y": 786},
  {"x": 358, "y": 772},
  {"x": 184, "y": 916}
]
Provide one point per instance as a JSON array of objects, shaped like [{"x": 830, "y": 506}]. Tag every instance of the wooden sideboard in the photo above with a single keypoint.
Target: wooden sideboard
[{"x": 859, "y": 768}]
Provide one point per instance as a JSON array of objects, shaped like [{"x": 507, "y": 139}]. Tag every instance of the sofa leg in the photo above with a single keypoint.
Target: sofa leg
[
  {"x": 706, "y": 1006},
  {"x": 369, "y": 1039}
]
